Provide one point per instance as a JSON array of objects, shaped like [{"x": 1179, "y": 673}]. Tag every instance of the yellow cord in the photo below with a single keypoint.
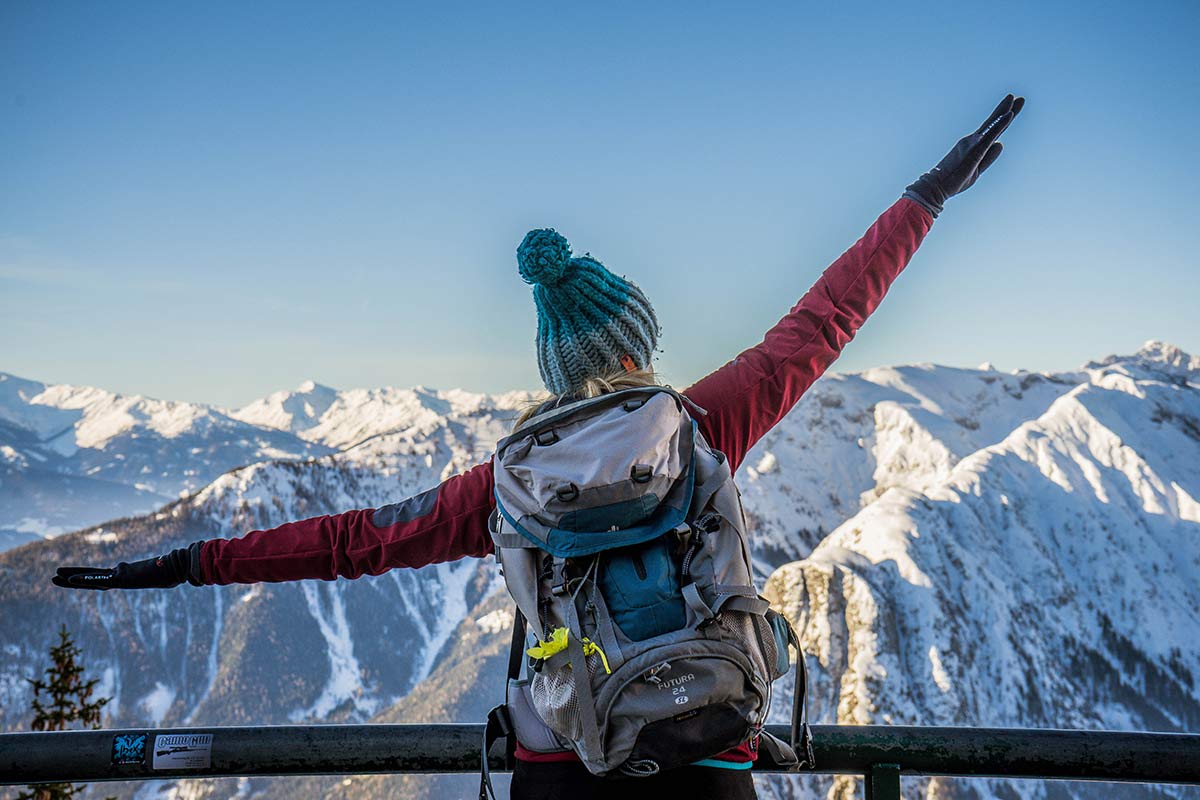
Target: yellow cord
[{"x": 558, "y": 642}]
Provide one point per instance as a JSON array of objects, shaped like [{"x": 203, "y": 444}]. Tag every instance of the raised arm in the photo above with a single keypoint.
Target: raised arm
[
  {"x": 443, "y": 524},
  {"x": 749, "y": 395}
]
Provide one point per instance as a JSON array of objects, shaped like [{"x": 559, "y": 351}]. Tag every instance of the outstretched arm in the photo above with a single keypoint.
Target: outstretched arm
[
  {"x": 442, "y": 524},
  {"x": 749, "y": 395}
]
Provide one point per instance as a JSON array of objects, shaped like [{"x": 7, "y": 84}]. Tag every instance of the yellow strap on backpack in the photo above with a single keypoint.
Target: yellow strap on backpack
[{"x": 558, "y": 642}]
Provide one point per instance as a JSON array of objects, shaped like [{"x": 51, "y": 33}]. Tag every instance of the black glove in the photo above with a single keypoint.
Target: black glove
[
  {"x": 163, "y": 572},
  {"x": 963, "y": 165}
]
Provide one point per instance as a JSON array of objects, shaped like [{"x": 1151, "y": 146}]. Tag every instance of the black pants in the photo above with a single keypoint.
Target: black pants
[{"x": 570, "y": 780}]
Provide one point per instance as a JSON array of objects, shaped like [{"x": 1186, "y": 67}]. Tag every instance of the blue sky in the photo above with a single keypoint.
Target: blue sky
[{"x": 214, "y": 201}]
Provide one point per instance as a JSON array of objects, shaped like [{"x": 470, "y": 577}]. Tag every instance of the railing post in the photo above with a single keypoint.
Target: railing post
[{"x": 883, "y": 782}]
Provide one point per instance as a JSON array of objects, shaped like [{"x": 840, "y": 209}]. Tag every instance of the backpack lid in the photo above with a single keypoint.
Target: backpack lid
[
  {"x": 606, "y": 472},
  {"x": 558, "y": 413}
]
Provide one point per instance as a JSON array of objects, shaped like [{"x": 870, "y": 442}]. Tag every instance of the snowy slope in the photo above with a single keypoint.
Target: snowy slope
[
  {"x": 1051, "y": 579},
  {"x": 853, "y": 437}
]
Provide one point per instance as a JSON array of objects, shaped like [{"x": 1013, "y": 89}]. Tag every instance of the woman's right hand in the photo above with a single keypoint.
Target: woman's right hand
[{"x": 162, "y": 572}]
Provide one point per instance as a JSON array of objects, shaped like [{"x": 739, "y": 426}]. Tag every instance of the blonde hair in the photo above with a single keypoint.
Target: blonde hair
[{"x": 592, "y": 387}]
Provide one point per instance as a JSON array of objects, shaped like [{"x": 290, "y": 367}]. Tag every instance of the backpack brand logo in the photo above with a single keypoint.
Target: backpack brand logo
[{"x": 679, "y": 680}]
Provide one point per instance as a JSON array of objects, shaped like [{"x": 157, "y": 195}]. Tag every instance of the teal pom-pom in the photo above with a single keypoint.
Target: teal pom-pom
[{"x": 543, "y": 257}]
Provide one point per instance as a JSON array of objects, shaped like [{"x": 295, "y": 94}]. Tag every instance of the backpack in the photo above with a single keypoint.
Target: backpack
[{"x": 622, "y": 540}]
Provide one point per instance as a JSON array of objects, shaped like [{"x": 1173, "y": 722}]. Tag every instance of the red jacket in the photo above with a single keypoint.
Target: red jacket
[{"x": 744, "y": 399}]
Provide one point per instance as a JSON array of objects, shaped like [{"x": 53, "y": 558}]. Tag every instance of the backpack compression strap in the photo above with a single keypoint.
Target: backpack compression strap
[
  {"x": 583, "y": 681},
  {"x": 797, "y": 754},
  {"x": 498, "y": 724},
  {"x": 801, "y": 733}
]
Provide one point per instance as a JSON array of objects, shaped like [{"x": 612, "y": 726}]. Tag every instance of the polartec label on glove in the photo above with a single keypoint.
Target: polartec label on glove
[{"x": 183, "y": 751}]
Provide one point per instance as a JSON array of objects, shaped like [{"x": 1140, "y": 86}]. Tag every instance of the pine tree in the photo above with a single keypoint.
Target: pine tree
[{"x": 69, "y": 700}]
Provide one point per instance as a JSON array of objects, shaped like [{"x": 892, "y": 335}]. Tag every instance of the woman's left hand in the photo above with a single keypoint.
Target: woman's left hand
[{"x": 963, "y": 165}]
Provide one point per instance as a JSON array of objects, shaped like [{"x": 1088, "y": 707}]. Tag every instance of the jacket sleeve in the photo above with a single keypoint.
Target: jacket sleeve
[
  {"x": 445, "y": 523},
  {"x": 749, "y": 395}
]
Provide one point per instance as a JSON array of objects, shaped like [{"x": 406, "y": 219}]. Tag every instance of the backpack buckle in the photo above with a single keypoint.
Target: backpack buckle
[
  {"x": 641, "y": 473},
  {"x": 545, "y": 438},
  {"x": 567, "y": 493},
  {"x": 559, "y": 577}
]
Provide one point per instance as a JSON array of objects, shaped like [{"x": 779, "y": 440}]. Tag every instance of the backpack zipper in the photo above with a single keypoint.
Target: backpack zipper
[
  {"x": 686, "y": 567},
  {"x": 639, "y": 567}
]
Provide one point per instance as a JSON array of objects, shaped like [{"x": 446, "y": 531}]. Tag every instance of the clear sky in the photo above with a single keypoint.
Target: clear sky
[{"x": 212, "y": 201}]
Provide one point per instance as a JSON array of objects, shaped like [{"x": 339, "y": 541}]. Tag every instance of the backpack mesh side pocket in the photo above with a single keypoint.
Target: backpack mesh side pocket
[
  {"x": 753, "y": 634},
  {"x": 552, "y": 691}
]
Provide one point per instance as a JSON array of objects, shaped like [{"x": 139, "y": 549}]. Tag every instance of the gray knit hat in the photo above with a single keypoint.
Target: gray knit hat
[{"x": 591, "y": 323}]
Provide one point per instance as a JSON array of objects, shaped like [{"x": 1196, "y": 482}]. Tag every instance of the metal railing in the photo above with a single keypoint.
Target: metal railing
[{"x": 882, "y": 754}]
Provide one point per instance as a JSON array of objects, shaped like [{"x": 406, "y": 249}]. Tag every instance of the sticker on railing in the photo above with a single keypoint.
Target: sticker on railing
[
  {"x": 129, "y": 748},
  {"x": 183, "y": 751}
]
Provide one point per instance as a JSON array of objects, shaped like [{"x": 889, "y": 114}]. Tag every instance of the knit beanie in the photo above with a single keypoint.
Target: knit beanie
[{"x": 591, "y": 323}]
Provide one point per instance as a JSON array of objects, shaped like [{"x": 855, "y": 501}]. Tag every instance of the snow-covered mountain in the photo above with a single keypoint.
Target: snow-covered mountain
[
  {"x": 1049, "y": 578},
  {"x": 74, "y": 456},
  {"x": 956, "y": 546},
  {"x": 343, "y": 419}
]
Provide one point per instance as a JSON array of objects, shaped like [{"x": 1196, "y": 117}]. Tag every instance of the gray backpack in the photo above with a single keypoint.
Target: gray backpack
[{"x": 621, "y": 538}]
